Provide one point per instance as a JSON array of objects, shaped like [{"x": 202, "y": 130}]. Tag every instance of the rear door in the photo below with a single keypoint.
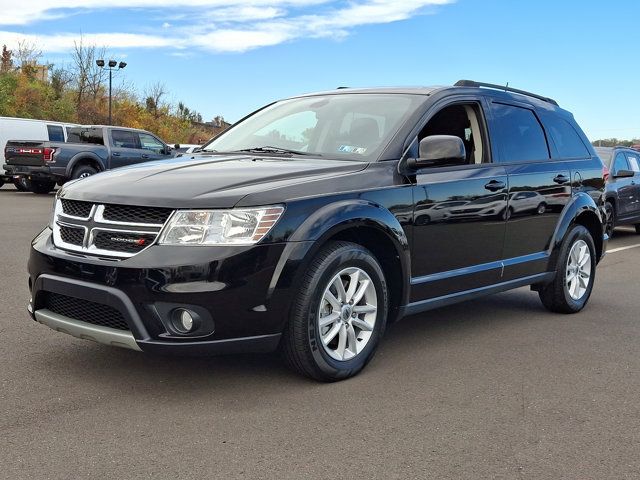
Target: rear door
[
  {"x": 533, "y": 208},
  {"x": 125, "y": 148}
]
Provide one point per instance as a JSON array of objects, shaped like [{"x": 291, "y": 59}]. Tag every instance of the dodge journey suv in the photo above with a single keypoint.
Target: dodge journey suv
[{"x": 314, "y": 222}]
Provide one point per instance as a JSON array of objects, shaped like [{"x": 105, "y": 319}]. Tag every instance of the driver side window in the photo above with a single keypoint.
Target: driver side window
[{"x": 462, "y": 121}]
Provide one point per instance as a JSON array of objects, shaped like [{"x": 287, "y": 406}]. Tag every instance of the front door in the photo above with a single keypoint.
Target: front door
[
  {"x": 625, "y": 186},
  {"x": 459, "y": 218}
]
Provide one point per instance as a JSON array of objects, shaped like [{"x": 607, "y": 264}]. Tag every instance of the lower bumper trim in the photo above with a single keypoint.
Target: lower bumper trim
[{"x": 86, "y": 331}]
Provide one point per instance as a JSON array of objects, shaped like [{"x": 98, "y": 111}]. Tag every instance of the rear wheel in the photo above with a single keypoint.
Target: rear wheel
[
  {"x": 610, "y": 210},
  {"x": 42, "y": 186},
  {"x": 83, "y": 171},
  {"x": 22, "y": 184},
  {"x": 575, "y": 274},
  {"x": 541, "y": 208},
  {"x": 339, "y": 314}
]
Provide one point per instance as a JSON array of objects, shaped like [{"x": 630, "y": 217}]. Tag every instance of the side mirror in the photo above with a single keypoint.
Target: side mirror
[
  {"x": 439, "y": 151},
  {"x": 624, "y": 174},
  {"x": 168, "y": 150}
]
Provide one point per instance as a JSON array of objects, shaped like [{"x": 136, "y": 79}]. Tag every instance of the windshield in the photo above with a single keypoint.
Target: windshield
[{"x": 350, "y": 126}]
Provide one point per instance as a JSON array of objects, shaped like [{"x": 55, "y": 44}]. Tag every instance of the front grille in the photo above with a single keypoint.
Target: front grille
[
  {"x": 133, "y": 214},
  {"x": 123, "y": 242},
  {"x": 85, "y": 311},
  {"x": 107, "y": 230},
  {"x": 72, "y": 235},
  {"x": 76, "y": 208}
]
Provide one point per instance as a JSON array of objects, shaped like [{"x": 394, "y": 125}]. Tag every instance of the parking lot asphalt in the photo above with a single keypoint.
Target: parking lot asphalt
[{"x": 493, "y": 388}]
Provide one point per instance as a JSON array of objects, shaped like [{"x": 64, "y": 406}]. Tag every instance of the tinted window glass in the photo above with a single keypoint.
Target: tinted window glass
[
  {"x": 518, "y": 134},
  {"x": 124, "y": 139},
  {"x": 85, "y": 135},
  {"x": 620, "y": 163},
  {"x": 634, "y": 161},
  {"x": 149, "y": 142},
  {"x": 56, "y": 134},
  {"x": 565, "y": 138}
]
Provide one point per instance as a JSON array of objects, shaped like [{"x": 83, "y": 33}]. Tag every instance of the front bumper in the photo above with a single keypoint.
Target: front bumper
[{"x": 244, "y": 291}]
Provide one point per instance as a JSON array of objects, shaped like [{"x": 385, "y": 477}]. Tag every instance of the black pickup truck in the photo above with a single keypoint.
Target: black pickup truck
[{"x": 88, "y": 150}]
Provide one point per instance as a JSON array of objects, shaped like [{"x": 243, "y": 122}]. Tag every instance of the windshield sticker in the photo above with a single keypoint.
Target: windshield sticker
[{"x": 351, "y": 149}]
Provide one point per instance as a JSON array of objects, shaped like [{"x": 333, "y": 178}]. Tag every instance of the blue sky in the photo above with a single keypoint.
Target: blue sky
[{"x": 230, "y": 57}]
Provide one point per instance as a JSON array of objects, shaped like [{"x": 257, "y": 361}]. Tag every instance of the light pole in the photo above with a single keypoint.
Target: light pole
[{"x": 112, "y": 66}]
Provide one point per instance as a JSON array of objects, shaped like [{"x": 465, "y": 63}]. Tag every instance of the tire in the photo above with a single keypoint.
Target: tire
[
  {"x": 1, "y": 184},
  {"x": 559, "y": 296},
  {"x": 610, "y": 210},
  {"x": 22, "y": 184},
  {"x": 303, "y": 346},
  {"x": 507, "y": 213},
  {"x": 42, "y": 187},
  {"x": 637, "y": 225},
  {"x": 541, "y": 208},
  {"x": 83, "y": 171}
]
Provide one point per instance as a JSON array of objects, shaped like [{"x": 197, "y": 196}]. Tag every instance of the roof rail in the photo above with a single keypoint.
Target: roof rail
[{"x": 471, "y": 83}]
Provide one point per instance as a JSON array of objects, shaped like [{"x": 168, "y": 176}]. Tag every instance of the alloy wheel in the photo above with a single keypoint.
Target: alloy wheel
[
  {"x": 347, "y": 313},
  {"x": 578, "y": 271}
]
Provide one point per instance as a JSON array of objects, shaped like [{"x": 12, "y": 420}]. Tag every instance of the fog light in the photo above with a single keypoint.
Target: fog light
[{"x": 186, "y": 321}]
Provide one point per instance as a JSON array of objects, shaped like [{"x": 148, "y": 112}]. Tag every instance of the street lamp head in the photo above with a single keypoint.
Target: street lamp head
[
  {"x": 122, "y": 64},
  {"x": 100, "y": 63},
  {"x": 112, "y": 63}
]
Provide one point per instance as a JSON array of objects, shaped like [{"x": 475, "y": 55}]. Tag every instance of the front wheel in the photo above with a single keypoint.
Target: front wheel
[
  {"x": 338, "y": 315},
  {"x": 575, "y": 273},
  {"x": 610, "y": 211}
]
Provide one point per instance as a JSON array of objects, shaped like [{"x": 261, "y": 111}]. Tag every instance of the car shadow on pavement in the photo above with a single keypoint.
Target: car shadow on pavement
[{"x": 156, "y": 374}]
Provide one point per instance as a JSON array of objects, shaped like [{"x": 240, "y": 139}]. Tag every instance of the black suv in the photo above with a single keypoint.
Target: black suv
[
  {"x": 314, "y": 222},
  {"x": 622, "y": 192}
]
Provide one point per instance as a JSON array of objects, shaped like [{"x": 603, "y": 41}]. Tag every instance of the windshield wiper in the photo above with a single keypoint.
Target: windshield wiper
[{"x": 277, "y": 150}]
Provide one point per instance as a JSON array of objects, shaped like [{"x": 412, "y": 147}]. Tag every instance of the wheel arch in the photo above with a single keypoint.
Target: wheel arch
[
  {"x": 581, "y": 211},
  {"x": 362, "y": 222},
  {"x": 84, "y": 158}
]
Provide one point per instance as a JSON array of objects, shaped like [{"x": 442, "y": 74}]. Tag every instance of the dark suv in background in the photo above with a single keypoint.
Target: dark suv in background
[
  {"x": 311, "y": 224},
  {"x": 622, "y": 193}
]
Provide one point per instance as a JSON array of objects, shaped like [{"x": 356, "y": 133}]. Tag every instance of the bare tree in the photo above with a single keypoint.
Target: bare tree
[
  {"x": 89, "y": 78},
  {"x": 154, "y": 95},
  {"x": 28, "y": 53}
]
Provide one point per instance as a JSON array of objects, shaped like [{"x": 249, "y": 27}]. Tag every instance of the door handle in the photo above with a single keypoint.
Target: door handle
[
  {"x": 561, "y": 179},
  {"x": 495, "y": 185},
  {"x": 115, "y": 154},
  {"x": 144, "y": 155}
]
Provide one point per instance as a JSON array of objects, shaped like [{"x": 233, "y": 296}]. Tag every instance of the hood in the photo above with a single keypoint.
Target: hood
[{"x": 204, "y": 181}]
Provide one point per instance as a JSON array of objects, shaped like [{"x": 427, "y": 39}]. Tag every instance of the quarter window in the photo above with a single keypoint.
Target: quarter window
[
  {"x": 518, "y": 134},
  {"x": 565, "y": 138}
]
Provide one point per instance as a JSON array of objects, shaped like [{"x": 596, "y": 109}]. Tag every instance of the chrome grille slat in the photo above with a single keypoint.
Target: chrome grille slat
[{"x": 105, "y": 237}]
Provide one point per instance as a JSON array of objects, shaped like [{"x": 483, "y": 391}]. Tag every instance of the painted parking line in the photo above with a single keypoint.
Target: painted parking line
[{"x": 620, "y": 249}]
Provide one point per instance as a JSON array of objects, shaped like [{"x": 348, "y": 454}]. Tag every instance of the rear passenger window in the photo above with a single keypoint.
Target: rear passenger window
[
  {"x": 56, "y": 134},
  {"x": 124, "y": 139},
  {"x": 518, "y": 134},
  {"x": 565, "y": 138}
]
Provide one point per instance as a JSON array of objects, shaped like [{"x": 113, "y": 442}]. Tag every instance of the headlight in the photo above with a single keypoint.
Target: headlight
[{"x": 239, "y": 226}]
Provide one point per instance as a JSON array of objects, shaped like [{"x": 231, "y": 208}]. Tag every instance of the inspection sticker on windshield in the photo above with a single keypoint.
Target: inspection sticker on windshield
[{"x": 350, "y": 149}]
